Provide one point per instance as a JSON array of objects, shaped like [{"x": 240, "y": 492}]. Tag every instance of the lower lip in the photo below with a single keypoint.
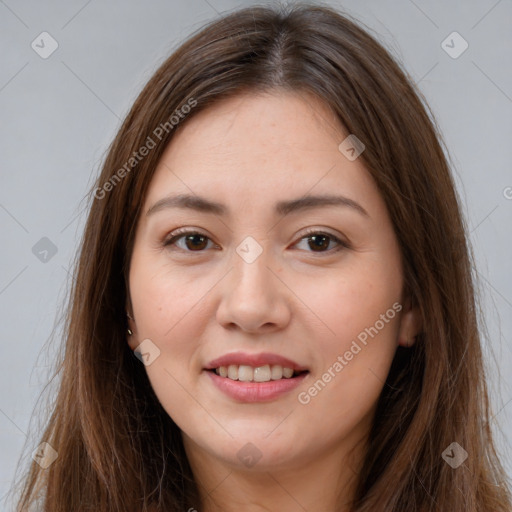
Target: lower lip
[{"x": 255, "y": 391}]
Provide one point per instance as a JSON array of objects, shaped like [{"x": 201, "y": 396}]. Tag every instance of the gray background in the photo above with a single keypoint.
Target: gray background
[{"x": 59, "y": 114}]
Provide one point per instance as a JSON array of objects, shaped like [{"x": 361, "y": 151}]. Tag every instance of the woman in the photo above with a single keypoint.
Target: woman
[{"x": 273, "y": 307}]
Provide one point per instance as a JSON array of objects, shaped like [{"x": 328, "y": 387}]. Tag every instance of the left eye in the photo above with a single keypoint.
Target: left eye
[
  {"x": 320, "y": 242},
  {"x": 197, "y": 242}
]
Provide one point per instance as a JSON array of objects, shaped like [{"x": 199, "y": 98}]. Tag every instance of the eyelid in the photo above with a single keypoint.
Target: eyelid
[
  {"x": 184, "y": 231},
  {"x": 342, "y": 243},
  {"x": 315, "y": 230},
  {"x": 180, "y": 232}
]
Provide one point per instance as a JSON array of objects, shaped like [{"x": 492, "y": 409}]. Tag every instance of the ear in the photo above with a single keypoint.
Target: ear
[{"x": 410, "y": 324}]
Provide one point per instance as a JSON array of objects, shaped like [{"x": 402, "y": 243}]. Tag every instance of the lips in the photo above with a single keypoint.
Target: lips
[
  {"x": 254, "y": 360},
  {"x": 237, "y": 375}
]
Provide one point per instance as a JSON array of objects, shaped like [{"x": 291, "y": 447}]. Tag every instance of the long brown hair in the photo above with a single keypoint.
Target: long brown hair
[{"x": 118, "y": 450}]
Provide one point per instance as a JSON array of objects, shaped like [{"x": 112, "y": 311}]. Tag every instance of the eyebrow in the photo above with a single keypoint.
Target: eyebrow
[{"x": 201, "y": 204}]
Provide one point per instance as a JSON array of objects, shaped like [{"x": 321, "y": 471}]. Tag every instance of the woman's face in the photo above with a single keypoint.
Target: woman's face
[{"x": 271, "y": 276}]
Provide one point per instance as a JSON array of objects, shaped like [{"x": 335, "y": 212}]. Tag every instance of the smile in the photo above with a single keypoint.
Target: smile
[{"x": 246, "y": 373}]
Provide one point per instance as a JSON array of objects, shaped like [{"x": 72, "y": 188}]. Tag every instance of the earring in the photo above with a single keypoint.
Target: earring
[{"x": 130, "y": 332}]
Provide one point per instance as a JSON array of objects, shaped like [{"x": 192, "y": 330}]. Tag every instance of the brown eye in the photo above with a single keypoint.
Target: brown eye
[
  {"x": 320, "y": 242},
  {"x": 189, "y": 241},
  {"x": 196, "y": 241}
]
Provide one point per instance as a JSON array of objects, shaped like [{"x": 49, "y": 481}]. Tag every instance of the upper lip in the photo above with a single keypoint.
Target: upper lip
[{"x": 254, "y": 360}]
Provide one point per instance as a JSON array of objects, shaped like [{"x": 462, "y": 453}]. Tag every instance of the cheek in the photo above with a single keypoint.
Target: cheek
[
  {"x": 362, "y": 310},
  {"x": 169, "y": 310},
  {"x": 353, "y": 300},
  {"x": 165, "y": 298}
]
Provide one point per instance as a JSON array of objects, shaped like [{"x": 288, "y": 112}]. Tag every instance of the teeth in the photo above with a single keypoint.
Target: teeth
[
  {"x": 246, "y": 373},
  {"x": 262, "y": 373},
  {"x": 233, "y": 372},
  {"x": 287, "y": 373},
  {"x": 277, "y": 372}
]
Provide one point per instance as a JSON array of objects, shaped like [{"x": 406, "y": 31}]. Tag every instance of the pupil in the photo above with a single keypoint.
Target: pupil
[
  {"x": 321, "y": 239},
  {"x": 194, "y": 239}
]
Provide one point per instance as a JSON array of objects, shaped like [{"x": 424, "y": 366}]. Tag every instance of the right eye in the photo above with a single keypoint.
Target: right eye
[{"x": 193, "y": 241}]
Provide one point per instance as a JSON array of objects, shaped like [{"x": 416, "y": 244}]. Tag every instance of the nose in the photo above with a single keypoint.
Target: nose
[{"x": 254, "y": 298}]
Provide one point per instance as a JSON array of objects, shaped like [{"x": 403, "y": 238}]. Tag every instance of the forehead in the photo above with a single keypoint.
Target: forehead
[
  {"x": 252, "y": 124},
  {"x": 260, "y": 147}
]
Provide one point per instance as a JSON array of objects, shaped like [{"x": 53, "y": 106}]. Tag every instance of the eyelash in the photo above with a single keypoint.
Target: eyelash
[{"x": 180, "y": 233}]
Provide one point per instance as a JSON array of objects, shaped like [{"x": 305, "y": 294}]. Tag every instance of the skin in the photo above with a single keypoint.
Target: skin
[{"x": 248, "y": 153}]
